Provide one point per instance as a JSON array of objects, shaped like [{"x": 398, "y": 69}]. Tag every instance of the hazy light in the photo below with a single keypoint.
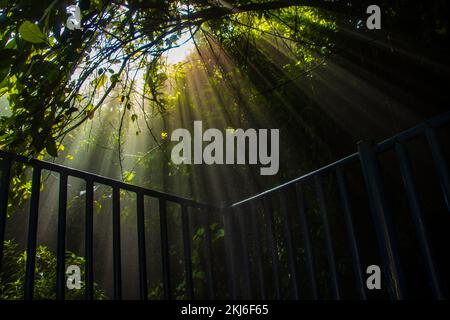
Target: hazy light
[{"x": 179, "y": 53}]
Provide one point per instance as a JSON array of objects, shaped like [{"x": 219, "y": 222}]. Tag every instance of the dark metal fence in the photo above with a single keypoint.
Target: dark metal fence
[
  {"x": 367, "y": 160},
  {"x": 65, "y": 172},
  {"x": 247, "y": 257}
]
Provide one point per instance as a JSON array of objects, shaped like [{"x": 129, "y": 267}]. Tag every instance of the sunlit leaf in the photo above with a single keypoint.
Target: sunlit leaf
[
  {"x": 129, "y": 176},
  {"x": 101, "y": 80},
  {"x": 31, "y": 33}
]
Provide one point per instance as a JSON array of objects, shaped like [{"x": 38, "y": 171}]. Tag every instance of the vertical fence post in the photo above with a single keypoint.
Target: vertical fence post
[
  {"x": 289, "y": 245},
  {"x": 441, "y": 166},
  {"x": 208, "y": 255},
  {"x": 256, "y": 236},
  {"x": 165, "y": 249},
  {"x": 61, "y": 246},
  {"x": 117, "y": 261},
  {"x": 143, "y": 289},
  {"x": 245, "y": 250},
  {"x": 32, "y": 234},
  {"x": 89, "y": 241},
  {"x": 328, "y": 240},
  {"x": 381, "y": 217},
  {"x": 351, "y": 232},
  {"x": 268, "y": 214},
  {"x": 230, "y": 253},
  {"x": 4, "y": 191},
  {"x": 416, "y": 211},
  {"x": 307, "y": 241},
  {"x": 187, "y": 252}
]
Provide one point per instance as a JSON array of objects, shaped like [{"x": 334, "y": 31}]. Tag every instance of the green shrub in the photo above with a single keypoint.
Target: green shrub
[{"x": 12, "y": 275}]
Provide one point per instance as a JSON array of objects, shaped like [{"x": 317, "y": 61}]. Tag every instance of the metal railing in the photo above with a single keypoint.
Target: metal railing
[
  {"x": 243, "y": 227},
  {"x": 90, "y": 179},
  {"x": 367, "y": 159}
]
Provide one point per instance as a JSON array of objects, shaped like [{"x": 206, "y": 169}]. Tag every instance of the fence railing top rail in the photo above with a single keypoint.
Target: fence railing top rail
[
  {"x": 414, "y": 131},
  {"x": 382, "y": 146},
  {"x": 87, "y": 176},
  {"x": 349, "y": 159}
]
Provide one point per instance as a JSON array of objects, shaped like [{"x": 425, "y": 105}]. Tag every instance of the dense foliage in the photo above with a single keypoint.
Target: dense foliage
[
  {"x": 12, "y": 275},
  {"x": 88, "y": 96},
  {"x": 55, "y": 79}
]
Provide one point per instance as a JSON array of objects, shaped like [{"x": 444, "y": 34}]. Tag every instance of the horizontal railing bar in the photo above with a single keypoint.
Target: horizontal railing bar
[
  {"x": 413, "y": 132},
  {"x": 380, "y": 147},
  {"x": 347, "y": 160},
  {"x": 45, "y": 165}
]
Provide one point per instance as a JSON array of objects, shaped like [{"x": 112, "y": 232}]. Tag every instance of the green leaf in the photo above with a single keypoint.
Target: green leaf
[
  {"x": 3, "y": 74},
  {"x": 129, "y": 176},
  {"x": 51, "y": 148},
  {"x": 101, "y": 81},
  {"x": 219, "y": 234},
  {"x": 114, "y": 79},
  {"x": 31, "y": 33},
  {"x": 90, "y": 107}
]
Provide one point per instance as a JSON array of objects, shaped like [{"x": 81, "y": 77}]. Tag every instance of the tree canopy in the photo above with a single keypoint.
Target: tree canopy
[{"x": 55, "y": 78}]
